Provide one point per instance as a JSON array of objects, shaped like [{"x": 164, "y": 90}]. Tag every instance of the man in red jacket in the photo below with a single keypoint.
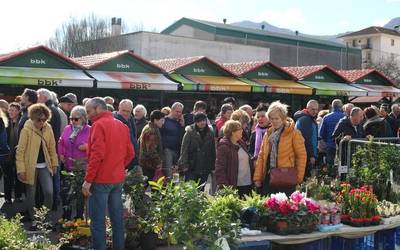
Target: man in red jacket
[{"x": 109, "y": 151}]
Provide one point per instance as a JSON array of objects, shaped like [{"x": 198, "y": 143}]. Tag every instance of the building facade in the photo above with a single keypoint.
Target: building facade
[
  {"x": 285, "y": 50},
  {"x": 155, "y": 46},
  {"x": 226, "y": 43},
  {"x": 378, "y": 45}
]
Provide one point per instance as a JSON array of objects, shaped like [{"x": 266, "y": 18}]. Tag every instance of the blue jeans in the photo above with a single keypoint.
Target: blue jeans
[{"x": 103, "y": 196}]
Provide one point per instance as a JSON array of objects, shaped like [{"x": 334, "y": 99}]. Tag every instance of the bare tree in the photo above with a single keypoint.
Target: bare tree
[
  {"x": 71, "y": 39},
  {"x": 389, "y": 66}
]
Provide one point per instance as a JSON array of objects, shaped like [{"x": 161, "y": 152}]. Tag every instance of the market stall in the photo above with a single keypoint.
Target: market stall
[
  {"x": 40, "y": 67},
  {"x": 202, "y": 74},
  {"x": 371, "y": 80},
  {"x": 125, "y": 70},
  {"x": 270, "y": 77},
  {"x": 325, "y": 80}
]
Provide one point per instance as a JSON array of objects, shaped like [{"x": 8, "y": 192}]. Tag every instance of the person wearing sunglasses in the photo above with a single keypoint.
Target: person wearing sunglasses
[
  {"x": 36, "y": 157},
  {"x": 72, "y": 152}
]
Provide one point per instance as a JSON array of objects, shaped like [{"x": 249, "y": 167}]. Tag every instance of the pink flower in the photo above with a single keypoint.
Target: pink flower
[
  {"x": 312, "y": 206},
  {"x": 294, "y": 207},
  {"x": 297, "y": 196},
  {"x": 271, "y": 203}
]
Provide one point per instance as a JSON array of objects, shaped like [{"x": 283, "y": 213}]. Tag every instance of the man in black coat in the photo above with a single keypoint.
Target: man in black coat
[
  {"x": 28, "y": 97},
  {"x": 124, "y": 114},
  {"x": 45, "y": 97},
  {"x": 348, "y": 129},
  {"x": 394, "y": 118}
]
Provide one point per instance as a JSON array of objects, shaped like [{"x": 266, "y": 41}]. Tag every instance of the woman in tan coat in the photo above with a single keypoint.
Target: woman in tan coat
[
  {"x": 36, "y": 156},
  {"x": 282, "y": 147}
]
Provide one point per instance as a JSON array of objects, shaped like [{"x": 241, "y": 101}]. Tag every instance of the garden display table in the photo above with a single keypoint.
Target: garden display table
[
  {"x": 385, "y": 236},
  {"x": 347, "y": 237}
]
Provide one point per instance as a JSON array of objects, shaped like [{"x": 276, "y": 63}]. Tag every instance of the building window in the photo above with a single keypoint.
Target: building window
[
  {"x": 354, "y": 43},
  {"x": 368, "y": 56},
  {"x": 392, "y": 42},
  {"x": 368, "y": 42}
]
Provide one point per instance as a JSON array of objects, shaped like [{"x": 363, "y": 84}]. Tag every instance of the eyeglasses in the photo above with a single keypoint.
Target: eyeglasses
[{"x": 75, "y": 119}]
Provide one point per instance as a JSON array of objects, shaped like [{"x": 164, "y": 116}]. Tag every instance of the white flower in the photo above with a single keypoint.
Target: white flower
[{"x": 280, "y": 197}]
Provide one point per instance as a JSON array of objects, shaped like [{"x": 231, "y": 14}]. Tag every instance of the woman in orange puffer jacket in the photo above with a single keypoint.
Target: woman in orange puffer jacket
[{"x": 282, "y": 147}]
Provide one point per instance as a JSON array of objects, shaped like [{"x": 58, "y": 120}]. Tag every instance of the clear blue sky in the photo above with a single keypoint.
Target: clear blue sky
[{"x": 25, "y": 23}]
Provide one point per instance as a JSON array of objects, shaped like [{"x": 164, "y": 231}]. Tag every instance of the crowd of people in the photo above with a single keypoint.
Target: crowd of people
[{"x": 264, "y": 148}]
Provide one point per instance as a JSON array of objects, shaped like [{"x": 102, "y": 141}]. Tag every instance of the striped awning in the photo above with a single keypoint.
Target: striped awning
[
  {"x": 334, "y": 89},
  {"x": 219, "y": 83},
  {"x": 45, "y": 77},
  {"x": 284, "y": 87},
  {"x": 379, "y": 90},
  {"x": 186, "y": 83},
  {"x": 132, "y": 80}
]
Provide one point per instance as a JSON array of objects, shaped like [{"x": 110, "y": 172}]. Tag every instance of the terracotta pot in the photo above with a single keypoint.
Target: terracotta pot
[{"x": 281, "y": 227}]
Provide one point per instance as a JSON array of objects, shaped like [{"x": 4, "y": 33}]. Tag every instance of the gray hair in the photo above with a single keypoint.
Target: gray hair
[
  {"x": 54, "y": 97},
  {"x": 46, "y": 93},
  {"x": 355, "y": 111},
  {"x": 394, "y": 106},
  {"x": 81, "y": 111},
  {"x": 141, "y": 107},
  {"x": 126, "y": 101},
  {"x": 347, "y": 105},
  {"x": 108, "y": 98},
  {"x": 337, "y": 104},
  {"x": 85, "y": 100},
  {"x": 312, "y": 102},
  {"x": 177, "y": 105},
  {"x": 97, "y": 102},
  {"x": 246, "y": 106}
]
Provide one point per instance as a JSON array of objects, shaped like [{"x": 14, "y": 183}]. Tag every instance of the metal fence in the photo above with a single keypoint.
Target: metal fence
[{"x": 348, "y": 147}]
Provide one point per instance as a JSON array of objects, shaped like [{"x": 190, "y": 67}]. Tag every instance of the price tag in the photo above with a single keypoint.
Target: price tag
[{"x": 343, "y": 169}]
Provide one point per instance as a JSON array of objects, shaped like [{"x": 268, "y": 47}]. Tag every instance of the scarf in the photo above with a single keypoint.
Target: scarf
[
  {"x": 75, "y": 132},
  {"x": 273, "y": 144},
  {"x": 259, "y": 138}
]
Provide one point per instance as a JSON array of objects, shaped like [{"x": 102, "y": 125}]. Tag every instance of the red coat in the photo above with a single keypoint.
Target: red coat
[{"x": 109, "y": 150}]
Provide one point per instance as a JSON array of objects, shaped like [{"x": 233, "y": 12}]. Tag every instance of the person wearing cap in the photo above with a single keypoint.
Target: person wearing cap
[
  {"x": 67, "y": 103},
  {"x": 197, "y": 158}
]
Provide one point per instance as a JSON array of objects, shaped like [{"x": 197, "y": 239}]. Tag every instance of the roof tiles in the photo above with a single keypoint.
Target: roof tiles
[{"x": 303, "y": 71}]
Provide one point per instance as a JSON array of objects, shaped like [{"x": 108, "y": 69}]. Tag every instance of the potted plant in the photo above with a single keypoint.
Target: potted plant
[{"x": 295, "y": 213}]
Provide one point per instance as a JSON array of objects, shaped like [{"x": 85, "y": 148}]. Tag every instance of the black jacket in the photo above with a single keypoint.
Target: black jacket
[
  {"x": 55, "y": 120},
  {"x": 394, "y": 122},
  {"x": 377, "y": 127},
  {"x": 197, "y": 152},
  {"x": 344, "y": 127},
  {"x": 130, "y": 123}
]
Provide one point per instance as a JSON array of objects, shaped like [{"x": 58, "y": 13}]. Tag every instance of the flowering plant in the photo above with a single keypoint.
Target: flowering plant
[
  {"x": 363, "y": 203},
  {"x": 296, "y": 207}
]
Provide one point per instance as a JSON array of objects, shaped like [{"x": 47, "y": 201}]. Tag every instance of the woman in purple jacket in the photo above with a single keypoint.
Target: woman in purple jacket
[{"x": 72, "y": 152}]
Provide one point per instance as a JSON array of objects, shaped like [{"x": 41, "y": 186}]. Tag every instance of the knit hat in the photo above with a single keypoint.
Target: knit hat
[{"x": 198, "y": 117}]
